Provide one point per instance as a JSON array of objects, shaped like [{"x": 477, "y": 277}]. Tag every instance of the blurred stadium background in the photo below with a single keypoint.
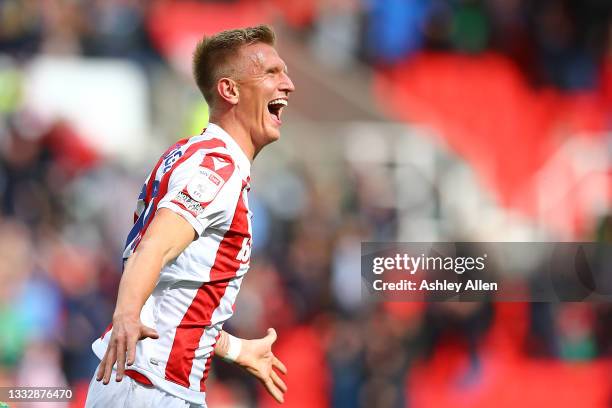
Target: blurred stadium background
[{"x": 415, "y": 120}]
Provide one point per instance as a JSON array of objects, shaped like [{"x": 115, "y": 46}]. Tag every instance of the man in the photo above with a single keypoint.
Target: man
[{"x": 189, "y": 249}]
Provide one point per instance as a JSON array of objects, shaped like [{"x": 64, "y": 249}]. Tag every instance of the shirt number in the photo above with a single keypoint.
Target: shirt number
[{"x": 245, "y": 252}]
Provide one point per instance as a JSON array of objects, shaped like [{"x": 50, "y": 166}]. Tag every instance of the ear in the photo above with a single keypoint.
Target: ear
[{"x": 228, "y": 90}]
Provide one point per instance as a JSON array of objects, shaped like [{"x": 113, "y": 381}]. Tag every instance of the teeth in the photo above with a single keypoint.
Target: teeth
[{"x": 278, "y": 102}]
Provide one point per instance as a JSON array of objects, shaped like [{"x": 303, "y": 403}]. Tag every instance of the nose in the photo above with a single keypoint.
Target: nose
[{"x": 287, "y": 84}]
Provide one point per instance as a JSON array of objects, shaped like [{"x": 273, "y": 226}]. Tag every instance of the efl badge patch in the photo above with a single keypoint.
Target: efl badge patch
[{"x": 205, "y": 185}]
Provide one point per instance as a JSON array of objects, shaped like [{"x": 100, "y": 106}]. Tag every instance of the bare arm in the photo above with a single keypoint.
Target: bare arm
[{"x": 167, "y": 236}]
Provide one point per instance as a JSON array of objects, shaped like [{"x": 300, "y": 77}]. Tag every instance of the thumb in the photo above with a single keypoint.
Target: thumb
[
  {"x": 271, "y": 336},
  {"x": 148, "y": 332}
]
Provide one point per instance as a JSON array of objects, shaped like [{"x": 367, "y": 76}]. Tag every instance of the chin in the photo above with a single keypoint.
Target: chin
[
  {"x": 272, "y": 136},
  {"x": 266, "y": 139}
]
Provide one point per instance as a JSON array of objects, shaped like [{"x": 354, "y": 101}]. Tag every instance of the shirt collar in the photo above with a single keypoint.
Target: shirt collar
[{"x": 243, "y": 161}]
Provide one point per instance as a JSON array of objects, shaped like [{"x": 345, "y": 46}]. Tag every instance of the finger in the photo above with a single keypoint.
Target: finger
[
  {"x": 276, "y": 363},
  {"x": 148, "y": 332},
  {"x": 131, "y": 351},
  {"x": 274, "y": 391},
  {"x": 110, "y": 361},
  {"x": 100, "y": 372},
  {"x": 271, "y": 335},
  {"x": 278, "y": 381},
  {"x": 121, "y": 349}
]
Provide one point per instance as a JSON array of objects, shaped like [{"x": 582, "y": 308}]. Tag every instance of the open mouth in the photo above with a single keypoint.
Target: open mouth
[{"x": 276, "y": 106}]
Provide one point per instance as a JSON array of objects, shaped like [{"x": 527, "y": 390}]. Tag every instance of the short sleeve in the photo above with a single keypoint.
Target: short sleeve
[{"x": 201, "y": 191}]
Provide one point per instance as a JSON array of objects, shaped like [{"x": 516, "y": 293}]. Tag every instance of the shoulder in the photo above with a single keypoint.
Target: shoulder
[
  {"x": 213, "y": 155},
  {"x": 199, "y": 151},
  {"x": 207, "y": 167}
]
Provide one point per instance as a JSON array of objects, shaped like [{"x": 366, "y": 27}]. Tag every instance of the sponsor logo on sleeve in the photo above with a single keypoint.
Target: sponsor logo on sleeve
[{"x": 193, "y": 206}]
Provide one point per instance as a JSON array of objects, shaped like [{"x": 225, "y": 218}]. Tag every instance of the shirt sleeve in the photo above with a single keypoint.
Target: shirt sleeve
[{"x": 201, "y": 190}]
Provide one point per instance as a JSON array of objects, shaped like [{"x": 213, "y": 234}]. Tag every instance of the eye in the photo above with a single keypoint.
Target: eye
[{"x": 274, "y": 70}]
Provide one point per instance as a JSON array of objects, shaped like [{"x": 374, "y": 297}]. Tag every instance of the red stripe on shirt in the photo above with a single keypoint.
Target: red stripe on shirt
[
  {"x": 190, "y": 330},
  {"x": 207, "y": 366},
  {"x": 226, "y": 264},
  {"x": 207, "y": 299}
]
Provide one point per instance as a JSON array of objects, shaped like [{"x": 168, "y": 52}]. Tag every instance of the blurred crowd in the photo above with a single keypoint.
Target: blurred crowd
[
  {"x": 558, "y": 43},
  {"x": 65, "y": 209}
]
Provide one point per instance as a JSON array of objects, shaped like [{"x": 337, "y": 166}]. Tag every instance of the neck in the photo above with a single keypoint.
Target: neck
[{"x": 238, "y": 132}]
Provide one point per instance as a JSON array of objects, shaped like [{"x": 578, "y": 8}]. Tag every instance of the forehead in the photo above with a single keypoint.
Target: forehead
[{"x": 259, "y": 56}]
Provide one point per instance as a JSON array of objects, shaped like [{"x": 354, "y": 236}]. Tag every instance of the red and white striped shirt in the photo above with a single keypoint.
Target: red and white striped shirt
[{"x": 205, "y": 179}]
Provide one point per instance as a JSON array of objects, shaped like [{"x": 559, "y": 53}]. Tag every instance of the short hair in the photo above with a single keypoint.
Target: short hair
[{"x": 212, "y": 54}]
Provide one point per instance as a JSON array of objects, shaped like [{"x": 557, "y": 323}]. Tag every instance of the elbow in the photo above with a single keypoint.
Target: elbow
[{"x": 153, "y": 252}]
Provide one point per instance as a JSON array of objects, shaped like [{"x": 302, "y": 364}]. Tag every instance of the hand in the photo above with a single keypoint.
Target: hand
[
  {"x": 257, "y": 358},
  {"x": 127, "y": 330}
]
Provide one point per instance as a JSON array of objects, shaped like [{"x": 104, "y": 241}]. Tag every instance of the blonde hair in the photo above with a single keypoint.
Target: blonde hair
[{"x": 212, "y": 55}]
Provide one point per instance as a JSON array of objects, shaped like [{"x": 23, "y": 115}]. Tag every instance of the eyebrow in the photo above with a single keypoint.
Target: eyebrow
[{"x": 279, "y": 68}]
